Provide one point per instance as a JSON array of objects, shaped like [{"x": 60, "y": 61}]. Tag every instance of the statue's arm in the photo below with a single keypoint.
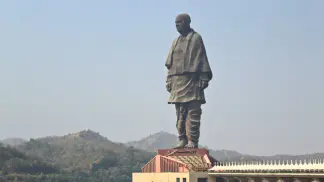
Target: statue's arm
[
  {"x": 204, "y": 79},
  {"x": 206, "y": 75},
  {"x": 168, "y": 79},
  {"x": 168, "y": 64},
  {"x": 168, "y": 83}
]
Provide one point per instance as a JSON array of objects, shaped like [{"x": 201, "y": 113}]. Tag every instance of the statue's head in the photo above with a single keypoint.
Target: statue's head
[{"x": 183, "y": 23}]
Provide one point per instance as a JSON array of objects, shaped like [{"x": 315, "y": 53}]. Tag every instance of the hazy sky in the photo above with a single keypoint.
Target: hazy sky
[{"x": 71, "y": 65}]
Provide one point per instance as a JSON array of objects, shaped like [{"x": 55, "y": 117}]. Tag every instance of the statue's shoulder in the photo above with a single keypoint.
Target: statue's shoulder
[
  {"x": 196, "y": 36},
  {"x": 176, "y": 39}
]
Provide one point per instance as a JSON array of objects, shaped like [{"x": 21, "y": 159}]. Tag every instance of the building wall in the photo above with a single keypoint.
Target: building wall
[
  {"x": 172, "y": 177},
  {"x": 160, "y": 177}
]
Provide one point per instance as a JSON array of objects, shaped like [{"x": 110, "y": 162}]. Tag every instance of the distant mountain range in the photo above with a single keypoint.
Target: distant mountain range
[
  {"x": 88, "y": 156},
  {"x": 163, "y": 140},
  {"x": 166, "y": 140},
  {"x": 91, "y": 141}
]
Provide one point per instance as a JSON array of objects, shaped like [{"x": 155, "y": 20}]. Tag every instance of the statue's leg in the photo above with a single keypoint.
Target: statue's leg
[
  {"x": 193, "y": 124},
  {"x": 181, "y": 112}
]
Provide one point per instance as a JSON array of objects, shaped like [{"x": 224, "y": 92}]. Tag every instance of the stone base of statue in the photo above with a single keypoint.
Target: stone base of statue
[{"x": 180, "y": 160}]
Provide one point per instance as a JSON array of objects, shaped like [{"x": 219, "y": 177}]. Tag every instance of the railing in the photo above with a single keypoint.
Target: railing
[{"x": 313, "y": 165}]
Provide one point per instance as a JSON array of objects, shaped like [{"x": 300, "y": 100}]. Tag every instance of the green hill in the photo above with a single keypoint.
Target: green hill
[
  {"x": 17, "y": 166},
  {"x": 88, "y": 156}
]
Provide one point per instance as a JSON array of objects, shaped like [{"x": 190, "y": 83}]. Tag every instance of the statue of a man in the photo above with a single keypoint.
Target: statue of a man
[{"x": 188, "y": 75}]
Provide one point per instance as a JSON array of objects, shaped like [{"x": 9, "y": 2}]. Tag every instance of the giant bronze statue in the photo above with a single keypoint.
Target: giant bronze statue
[{"x": 188, "y": 75}]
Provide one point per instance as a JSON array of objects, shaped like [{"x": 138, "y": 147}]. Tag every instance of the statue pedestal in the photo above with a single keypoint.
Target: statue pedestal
[
  {"x": 180, "y": 160},
  {"x": 183, "y": 151}
]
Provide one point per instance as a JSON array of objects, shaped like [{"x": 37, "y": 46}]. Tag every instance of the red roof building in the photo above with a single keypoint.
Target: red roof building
[{"x": 180, "y": 160}]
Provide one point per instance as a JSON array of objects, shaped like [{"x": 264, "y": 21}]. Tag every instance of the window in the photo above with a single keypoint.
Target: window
[
  {"x": 202, "y": 180},
  {"x": 178, "y": 179},
  {"x": 220, "y": 179},
  {"x": 184, "y": 179}
]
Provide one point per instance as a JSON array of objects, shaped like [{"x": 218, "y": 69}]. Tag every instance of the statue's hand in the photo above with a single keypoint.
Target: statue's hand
[
  {"x": 168, "y": 86},
  {"x": 202, "y": 84}
]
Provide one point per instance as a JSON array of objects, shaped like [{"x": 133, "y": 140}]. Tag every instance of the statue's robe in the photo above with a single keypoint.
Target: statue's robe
[{"x": 187, "y": 64}]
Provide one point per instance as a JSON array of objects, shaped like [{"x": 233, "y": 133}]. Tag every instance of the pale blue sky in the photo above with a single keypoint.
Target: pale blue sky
[{"x": 70, "y": 65}]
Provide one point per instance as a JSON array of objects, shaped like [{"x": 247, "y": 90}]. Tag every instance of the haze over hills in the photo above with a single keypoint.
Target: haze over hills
[
  {"x": 167, "y": 140},
  {"x": 159, "y": 140},
  {"x": 13, "y": 141},
  {"x": 163, "y": 139},
  {"x": 69, "y": 148}
]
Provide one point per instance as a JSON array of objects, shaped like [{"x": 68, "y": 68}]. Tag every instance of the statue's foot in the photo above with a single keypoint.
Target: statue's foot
[
  {"x": 181, "y": 144},
  {"x": 191, "y": 145}
]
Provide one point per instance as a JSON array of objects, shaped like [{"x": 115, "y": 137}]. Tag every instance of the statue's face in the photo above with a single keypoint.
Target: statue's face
[{"x": 180, "y": 25}]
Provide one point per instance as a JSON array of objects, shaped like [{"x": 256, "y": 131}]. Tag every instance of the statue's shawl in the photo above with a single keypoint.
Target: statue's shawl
[{"x": 196, "y": 60}]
